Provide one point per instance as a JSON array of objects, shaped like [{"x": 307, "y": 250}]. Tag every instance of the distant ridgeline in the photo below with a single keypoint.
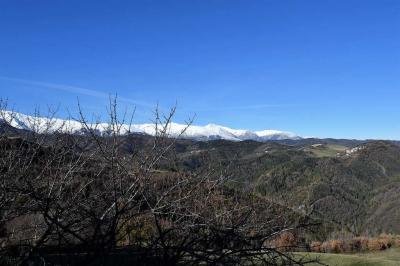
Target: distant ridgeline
[{"x": 203, "y": 133}]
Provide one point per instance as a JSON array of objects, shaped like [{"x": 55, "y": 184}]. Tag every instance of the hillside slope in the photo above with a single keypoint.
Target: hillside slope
[{"x": 355, "y": 189}]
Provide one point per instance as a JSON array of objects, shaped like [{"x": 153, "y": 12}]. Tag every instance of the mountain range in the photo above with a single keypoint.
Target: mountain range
[{"x": 195, "y": 132}]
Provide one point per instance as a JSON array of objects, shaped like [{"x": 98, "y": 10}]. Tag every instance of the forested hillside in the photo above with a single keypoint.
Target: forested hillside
[{"x": 353, "y": 187}]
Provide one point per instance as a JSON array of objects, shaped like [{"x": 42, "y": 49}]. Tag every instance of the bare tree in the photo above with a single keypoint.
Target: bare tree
[{"x": 95, "y": 193}]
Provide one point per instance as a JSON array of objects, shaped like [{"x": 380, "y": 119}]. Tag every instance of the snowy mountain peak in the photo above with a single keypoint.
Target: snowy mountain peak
[
  {"x": 207, "y": 132},
  {"x": 276, "y": 134}
]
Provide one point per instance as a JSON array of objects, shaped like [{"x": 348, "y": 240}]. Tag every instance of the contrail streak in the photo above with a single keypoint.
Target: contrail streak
[{"x": 75, "y": 89}]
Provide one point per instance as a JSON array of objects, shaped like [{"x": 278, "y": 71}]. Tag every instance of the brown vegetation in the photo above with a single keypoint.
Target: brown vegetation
[
  {"x": 286, "y": 241},
  {"x": 357, "y": 244}
]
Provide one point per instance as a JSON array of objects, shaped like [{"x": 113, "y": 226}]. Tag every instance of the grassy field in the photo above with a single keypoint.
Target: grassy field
[
  {"x": 389, "y": 257},
  {"x": 319, "y": 150}
]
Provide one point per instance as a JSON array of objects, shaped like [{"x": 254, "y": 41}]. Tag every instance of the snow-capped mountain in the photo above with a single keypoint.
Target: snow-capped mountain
[{"x": 207, "y": 132}]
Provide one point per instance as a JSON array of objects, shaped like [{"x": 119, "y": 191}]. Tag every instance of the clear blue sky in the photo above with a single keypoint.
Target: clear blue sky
[{"x": 317, "y": 68}]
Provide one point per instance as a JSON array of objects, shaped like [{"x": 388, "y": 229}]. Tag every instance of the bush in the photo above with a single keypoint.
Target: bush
[
  {"x": 325, "y": 247},
  {"x": 389, "y": 239},
  {"x": 316, "y": 246},
  {"x": 337, "y": 246},
  {"x": 286, "y": 241},
  {"x": 360, "y": 244},
  {"x": 376, "y": 245}
]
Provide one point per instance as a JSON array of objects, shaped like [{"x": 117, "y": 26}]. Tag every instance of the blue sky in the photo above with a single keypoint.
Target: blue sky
[{"x": 317, "y": 68}]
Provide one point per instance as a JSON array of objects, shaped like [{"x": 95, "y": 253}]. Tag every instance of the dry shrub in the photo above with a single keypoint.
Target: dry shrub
[
  {"x": 316, "y": 246},
  {"x": 357, "y": 244},
  {"x": 336, "y": 246},
  {"x": 397, "y": 242},
  {"x": 360, "y": 243},
  {"x": 389, "y": 239},
  {"x": 375, "y": 244},
  {"x": 286, "y": 241},
  {"x": 325, "y": 247}
]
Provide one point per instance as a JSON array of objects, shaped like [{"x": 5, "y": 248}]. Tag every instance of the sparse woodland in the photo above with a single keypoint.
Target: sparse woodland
[{"x": 95, "y": 199}]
